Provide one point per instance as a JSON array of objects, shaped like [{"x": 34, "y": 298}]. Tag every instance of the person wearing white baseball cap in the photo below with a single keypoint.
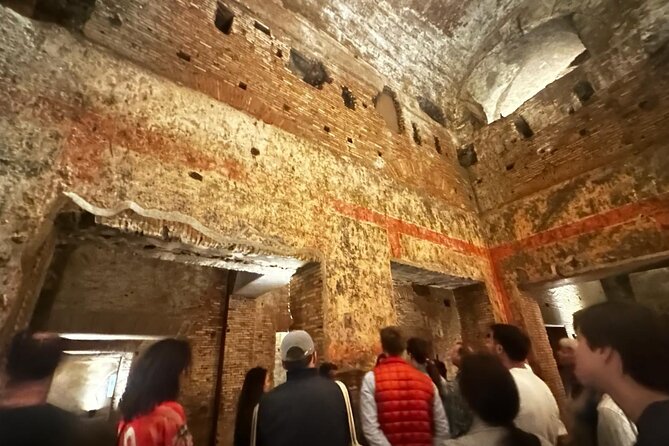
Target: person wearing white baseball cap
[{"x": 307, "y": 409}]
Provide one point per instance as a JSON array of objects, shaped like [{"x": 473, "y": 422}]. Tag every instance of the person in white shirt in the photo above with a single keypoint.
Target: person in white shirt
[
  {"x": 491, "y": 393},
  {"x": 613, "y": 426},
  {"x": 539, "y": 413}
]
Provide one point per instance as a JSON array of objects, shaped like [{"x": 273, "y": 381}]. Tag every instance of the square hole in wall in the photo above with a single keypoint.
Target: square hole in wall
[{"x": 224, "y": 18}]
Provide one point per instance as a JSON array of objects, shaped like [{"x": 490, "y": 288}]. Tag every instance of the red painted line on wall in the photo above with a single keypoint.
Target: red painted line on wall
[
  {"x": 656, "y": 208},
  {"x": 397, "y": 227}
]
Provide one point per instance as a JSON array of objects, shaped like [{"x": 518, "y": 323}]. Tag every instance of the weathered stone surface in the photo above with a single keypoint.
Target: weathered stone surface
[{"x": 126, "y": 138}]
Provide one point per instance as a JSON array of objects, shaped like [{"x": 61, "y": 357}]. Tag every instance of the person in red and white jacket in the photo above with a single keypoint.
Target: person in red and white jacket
[
  {"x": 400, "y": 405},
  {"x": 151, "y": 416}
]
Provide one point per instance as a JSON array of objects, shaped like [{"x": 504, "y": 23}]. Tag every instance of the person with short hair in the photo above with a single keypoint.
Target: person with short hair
[
  {"x": 491, "y": 392},
  {"x": 307, "y": 408},
  {"x": 328, "y": 370},
  {"x": 418, "y": 351},
  {"x": 539, "y": 413},
  {"x": 255, "y": 384},
  {"x": 459, "y": 414},
  {"x": 151, "y": 415},
  {"x": 400, "y": 405},
  {"x": 623, "y": 351},
  {"x": 26, "y": 419}
]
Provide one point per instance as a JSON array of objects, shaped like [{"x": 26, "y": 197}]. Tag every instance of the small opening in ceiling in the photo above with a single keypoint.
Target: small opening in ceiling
[
  {"x": 286, "y": 107},
  {"x": 255, "y": 152},
  {"x": 262, "y": 28},
  {"x": 71, "y": 14},
  {"x": 421, "y": 290},
  {"x": 510, "y": 166},
  {"x": 379, "y": 154},
  {"x": 437, "y": 145},
  {"x": 578, "y": 60},
  {"x": 649, "y": 103},
  {"x": 224, "y": 18},
  {"x": 432, "y": 110},
  {"x": 183, "y": 55},
  {"x": 279, "y": 53},
  {"x": 523, "y": 127},
  {"x": 195, "y": 176},
  {"x": 583, "y": 91},
  {"x": 349, "y": 140},
  {"x": 313, "y": 72},
  {"x": 348, "y": 97},
  {"x": 243, "y": 86},
  {"x": 416, "y": 134},
  {"x": 543, "y": 55},
  {"x": 326, "y": 128},
  {"x": 467, "y": 156},
  {"x": 115, "y": 20},
  {"x": 389, "y": 108}
]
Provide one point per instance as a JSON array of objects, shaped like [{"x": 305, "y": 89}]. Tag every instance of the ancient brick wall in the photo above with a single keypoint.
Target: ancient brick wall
[
  {"x": 541, "y": 358},
  {"x": 249, "y": 342},
  {"x": 306, "y": 296},
  {"x": 247, "y": 69},
  {"x": 109, "y": 289},
  {"x": 475, "y": 312},
  {"x": 431, "y": 315},
  {"x": 269, "y": 188}
]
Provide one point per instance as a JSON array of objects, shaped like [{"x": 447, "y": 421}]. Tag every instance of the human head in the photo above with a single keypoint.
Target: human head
[
  {"x": 619, "y": 340},
  {"x": 566, "y": 353},
  {"x": 418, "y": 350},
  {"x": 155, "y": 377},
  {"x": 392, "y": 341},
  {"x": 489, "y": 389},
  {"x": 508, "y": 342},
  {"x": 298, "y": 351},
  {"x": 33, "y": 356},
  {"x": 328, "y": 370},
  {"x": 458, "y": 351}
]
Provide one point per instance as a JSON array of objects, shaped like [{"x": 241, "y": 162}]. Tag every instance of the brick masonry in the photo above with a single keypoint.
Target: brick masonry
[
  {"x": 476, "y": 314},
  {"x": 306, "y": 295},
  {"x": 431, "y": 315},
  {"x": 249, "y": 342},
  {"x": 109, "y": 289},
  {"x": 116, "y": 135}
]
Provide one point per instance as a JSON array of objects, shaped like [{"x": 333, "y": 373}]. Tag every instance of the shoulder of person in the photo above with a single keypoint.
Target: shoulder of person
[{"x": 172, "y": 411}]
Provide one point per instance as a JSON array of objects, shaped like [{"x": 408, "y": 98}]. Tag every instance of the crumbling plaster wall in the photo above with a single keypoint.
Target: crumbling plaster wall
[{"x": 112, "y": 135}]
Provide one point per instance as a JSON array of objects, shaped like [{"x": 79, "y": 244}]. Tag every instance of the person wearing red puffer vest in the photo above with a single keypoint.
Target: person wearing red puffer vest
[{"x": 400, "y": 405}]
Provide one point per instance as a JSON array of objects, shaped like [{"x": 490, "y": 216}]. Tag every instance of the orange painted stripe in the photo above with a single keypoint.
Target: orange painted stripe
[
  {"x": 656, "y": 208},
  {"x": 395, "y": 227}
]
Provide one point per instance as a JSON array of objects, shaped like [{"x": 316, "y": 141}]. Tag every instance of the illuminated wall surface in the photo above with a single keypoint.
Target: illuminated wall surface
[{"x": 88, "y": 382}]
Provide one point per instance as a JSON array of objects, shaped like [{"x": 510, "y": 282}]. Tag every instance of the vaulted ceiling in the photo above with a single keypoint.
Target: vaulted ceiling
[{"x": 459, "y": 50}]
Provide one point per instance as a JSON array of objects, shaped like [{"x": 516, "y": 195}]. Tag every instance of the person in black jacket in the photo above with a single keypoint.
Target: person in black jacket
[
  {"x": 307, "y": 409},
  {"x": 255, "y": 384},
  {"x": 25, "y": 416}
]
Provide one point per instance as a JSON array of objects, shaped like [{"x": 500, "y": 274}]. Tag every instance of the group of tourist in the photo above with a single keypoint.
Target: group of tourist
[{"x": 616, "y": 377}]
